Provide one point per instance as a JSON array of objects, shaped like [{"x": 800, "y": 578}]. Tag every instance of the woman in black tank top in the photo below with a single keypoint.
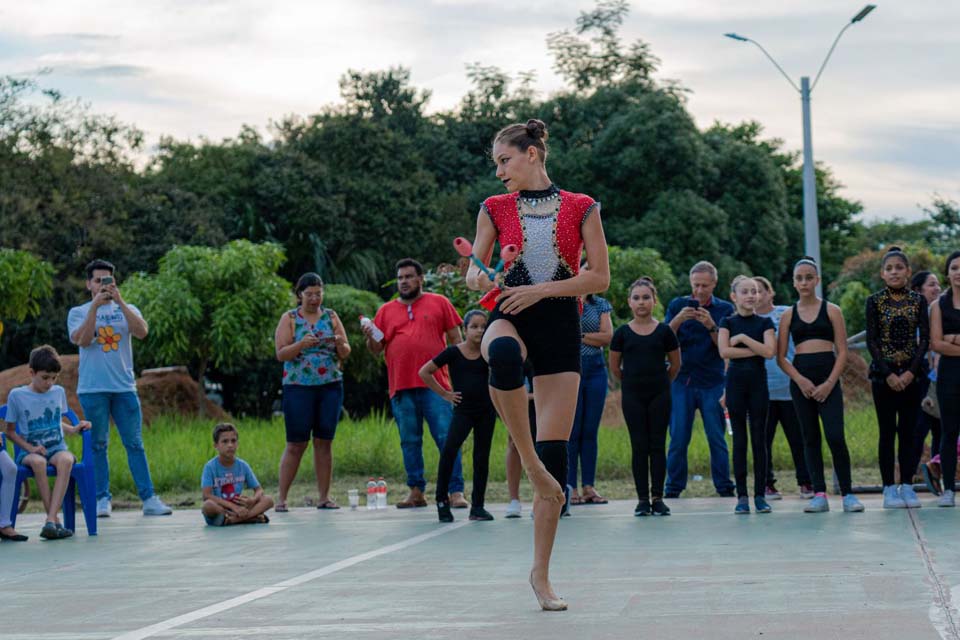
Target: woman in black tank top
[
  {"x": 815, "y": 382},
  {"x": 945, "y": 340}
]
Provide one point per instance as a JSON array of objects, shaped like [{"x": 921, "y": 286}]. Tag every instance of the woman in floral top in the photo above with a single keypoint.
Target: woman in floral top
[{"x": 311, "y": 343}]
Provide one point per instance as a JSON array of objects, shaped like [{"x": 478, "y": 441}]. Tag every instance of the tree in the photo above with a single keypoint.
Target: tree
[
  {"x": 208, "y": 306},
  {"x": 25, "y": 280},
  {"x": 944, "y": 231},
  {"x": 685, "y": 228},
  {"x": 626, "y": 265}
]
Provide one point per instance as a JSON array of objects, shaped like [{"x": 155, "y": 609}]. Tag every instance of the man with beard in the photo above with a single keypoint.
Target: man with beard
[{"x": 417, "y": 326}]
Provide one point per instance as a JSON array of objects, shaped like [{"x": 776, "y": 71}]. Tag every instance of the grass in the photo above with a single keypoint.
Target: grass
[{"x": 177, "y": 449}]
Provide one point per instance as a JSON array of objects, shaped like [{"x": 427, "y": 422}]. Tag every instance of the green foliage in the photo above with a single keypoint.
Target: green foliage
[
  {"x": 350, "y": 304},
  {"x": 212, "y": 306},
  {"x": 943, "y": 234},
  {"x": 449, "y": 281},
  {"x": 25, "y": 280},
  {"x": 852, "y": 298},
  {"x": 685, "y": 228},
  {"x": 626, "y": 265}
]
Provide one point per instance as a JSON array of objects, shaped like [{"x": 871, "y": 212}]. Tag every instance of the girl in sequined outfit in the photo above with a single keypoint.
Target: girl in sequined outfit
[
  {"x": 898, "y": 334},
  {"x": 537, "y": 316}
]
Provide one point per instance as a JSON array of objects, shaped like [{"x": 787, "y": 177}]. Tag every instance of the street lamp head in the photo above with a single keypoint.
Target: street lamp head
[
  {"x": 734, "y": 36},
  {"x": 863, "y": 13}
]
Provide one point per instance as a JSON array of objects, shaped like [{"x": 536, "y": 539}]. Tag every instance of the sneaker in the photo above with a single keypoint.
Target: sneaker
[
  {"x": 761, "y": 505},
  {"x": 643, "y": 508},
  {"x": 946, "y": 500},
  {"x": 851, "y": 504},
  {"x": 659, "y": 508},
  {"x": 818, "y": 504},
  {"x": 932, "y": 481},
  {"x": 513, "y": 509},
  {"x": 443, "y": 512},
  {"x": 154, "y": 506},
  {"x": 479, "y": 513},
  {"x": 565, "y": 511},
  {"x": 806, "y": 491},
  {"x": 743, "y": 505},
  {"x": 909, "y": 496},
  {"x": 63, "y": 532},
  {"x": 772, "y": 494},
  {"x": 50, "y": 531},
  {"x": 104, "y": 508},
  {"x": 892, "y": 499}
]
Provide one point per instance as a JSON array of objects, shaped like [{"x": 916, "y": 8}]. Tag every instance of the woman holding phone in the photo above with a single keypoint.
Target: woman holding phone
[{"x": 311, "y": 343}]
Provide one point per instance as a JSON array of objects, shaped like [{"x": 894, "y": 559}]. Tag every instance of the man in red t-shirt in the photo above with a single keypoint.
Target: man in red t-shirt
[{"x": 416, "y": 327}]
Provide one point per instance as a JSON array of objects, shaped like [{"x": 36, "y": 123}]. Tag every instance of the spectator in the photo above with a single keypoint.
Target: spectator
[
  {"x": 945, "y": 340},
  {"x": 224, "y": 478},
  {"x": 38, "y": 410},
  {"x": 597, "y": 330},
  {"x": 898, "y": 335},
  {"x": 311, "y": 343},
  {"x": 695, "y": 320},
  {"x": 780, "y": 408},
  {"x": 416, "y": 327},
  {"x": 928, "y": 285},
  {"x": 107, "y": 388}
]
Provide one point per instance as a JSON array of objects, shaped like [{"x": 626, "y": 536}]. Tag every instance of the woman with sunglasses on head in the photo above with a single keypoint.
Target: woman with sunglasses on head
[
  {"x": 820, "y": 338},
  {"x": 537, "y": 316}
]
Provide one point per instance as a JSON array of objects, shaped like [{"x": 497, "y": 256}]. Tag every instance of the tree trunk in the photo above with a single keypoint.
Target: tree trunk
[{"x": 201, "y": 390}]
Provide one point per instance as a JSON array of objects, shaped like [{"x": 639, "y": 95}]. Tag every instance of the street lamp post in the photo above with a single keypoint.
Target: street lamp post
[{"x": 811, "y": 224}]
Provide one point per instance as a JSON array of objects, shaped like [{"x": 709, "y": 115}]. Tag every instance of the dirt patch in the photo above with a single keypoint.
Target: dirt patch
[
  {"x": 163, "y": 393},
  {"x": 855, "y": 382}
]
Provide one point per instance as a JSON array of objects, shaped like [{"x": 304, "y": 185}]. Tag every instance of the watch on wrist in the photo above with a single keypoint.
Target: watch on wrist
[{"x": 714, "y": 329}]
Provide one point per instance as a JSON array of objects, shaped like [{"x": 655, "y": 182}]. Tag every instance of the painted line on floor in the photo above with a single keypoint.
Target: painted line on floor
[
  {"x": 942, "y": 613},
  {"x": 232, "y": 603}
]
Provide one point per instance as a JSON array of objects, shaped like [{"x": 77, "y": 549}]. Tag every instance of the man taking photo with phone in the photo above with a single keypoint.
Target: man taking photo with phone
[
  {"x": 102, "y": 329},
  {"x": 696, "y": 321}
]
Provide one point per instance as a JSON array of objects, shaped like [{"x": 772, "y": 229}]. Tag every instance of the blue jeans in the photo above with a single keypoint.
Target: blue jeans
[
  {"x": 582, "y": 446},
  {"x": 686, "y": 400},
  {"x": 124, "y": 407},
  {"x": 410, "y": 407}
]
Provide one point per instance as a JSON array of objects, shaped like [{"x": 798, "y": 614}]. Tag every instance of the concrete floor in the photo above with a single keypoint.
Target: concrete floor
[{"x": 702, "y": 573}]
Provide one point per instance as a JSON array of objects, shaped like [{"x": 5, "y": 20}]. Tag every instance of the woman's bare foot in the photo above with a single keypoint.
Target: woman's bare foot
[
  {"x": 545, "y": 485},
  {"x": 548, "y": 599}
]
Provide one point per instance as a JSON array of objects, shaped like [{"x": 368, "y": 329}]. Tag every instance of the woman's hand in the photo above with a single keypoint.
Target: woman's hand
[
  {"x": 516, "y": 299},
  {"x": 906, "y": 379},
  {"x": 822, "y": 392},
  {"x": 307, "y": 341},
  {"x": 737, "y": 339},
  {"x": 452, "y": 397},
  {"x": 894, "y": 382},
  {"x": 806, "y": 387}
]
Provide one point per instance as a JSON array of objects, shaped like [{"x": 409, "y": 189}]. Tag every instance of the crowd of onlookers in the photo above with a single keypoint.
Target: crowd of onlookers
[{"x": 744, "y": 363}]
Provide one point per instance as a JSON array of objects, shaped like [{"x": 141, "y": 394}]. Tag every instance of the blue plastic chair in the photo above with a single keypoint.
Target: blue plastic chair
[{"x": 81, "y": 480}]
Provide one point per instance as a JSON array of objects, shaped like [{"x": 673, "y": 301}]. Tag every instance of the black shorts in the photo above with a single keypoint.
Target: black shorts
[{"x": 550, "y": 329}]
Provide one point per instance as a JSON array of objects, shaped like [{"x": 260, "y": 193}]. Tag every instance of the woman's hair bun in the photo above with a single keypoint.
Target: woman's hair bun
[
  {"x": 894, "y": 249},
  {"x": 536, "y": 129}
]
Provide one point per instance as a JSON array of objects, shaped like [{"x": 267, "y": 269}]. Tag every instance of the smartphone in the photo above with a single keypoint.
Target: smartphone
[
  {"x": 693, "y": 303},
  {"x": 105, "y": 280}
]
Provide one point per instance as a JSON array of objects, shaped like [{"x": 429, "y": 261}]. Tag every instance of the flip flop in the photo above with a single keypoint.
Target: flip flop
[
  {"x": 328, "y": 504},
  {"x": 594, "y": 499},
  {"x": 281, "y": 507},
  {"x": 577, "y": 499}
]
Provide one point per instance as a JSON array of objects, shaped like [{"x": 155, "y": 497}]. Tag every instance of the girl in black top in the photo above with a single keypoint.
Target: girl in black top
[
  {"x": 820, "y": 355},
  {"x": 898, "y": 335},
  {"x": 637, "y": 355},
  {"x": 472, "y": 410},
  {"x": 945, "y": 340},
  {"x": 745, "y": 341}
]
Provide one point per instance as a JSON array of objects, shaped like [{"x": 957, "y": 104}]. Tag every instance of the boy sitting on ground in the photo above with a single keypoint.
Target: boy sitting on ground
[
  {"x": 39, "y": 409},
  {"x": 224, "y": 478}
]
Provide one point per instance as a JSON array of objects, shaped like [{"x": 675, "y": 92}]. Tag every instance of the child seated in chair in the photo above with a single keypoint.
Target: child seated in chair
[
  {"x": 39, "y": 409},
  {"x": 224, "y": 478}
]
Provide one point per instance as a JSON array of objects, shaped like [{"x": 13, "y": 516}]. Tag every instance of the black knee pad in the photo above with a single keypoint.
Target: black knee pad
[
  {"x": 553, "y": 454},
  {"x": 506, "y": 364}
]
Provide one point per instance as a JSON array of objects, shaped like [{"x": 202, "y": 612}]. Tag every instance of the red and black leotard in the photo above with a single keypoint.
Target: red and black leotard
[{"x": 546, "y": 226}]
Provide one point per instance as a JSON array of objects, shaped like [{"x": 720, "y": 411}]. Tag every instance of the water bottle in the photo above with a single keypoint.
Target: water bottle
[
  {"x": 726, "y": 419},
  {"x": 381, "y": 493},
  {"x": 371, "y": 494},
  {"x": 367, "y": 322}
]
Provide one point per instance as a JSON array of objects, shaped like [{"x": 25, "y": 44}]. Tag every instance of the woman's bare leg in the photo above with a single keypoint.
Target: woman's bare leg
[
  {"x": 323, "y": 465},
  {"x": 289, "y": 463},
  {"x": 514, "y": 470}
]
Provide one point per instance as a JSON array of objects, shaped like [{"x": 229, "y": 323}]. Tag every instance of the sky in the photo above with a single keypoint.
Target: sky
[{"x": 885, "y": 112}]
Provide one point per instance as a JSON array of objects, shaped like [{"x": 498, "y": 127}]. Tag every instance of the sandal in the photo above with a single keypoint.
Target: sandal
[
  {"x": 281, "y": 507},
  {"x": 594, "y": 498},
  {"x": 576, "y": 499},
  {"x": 328, "y": 504}
]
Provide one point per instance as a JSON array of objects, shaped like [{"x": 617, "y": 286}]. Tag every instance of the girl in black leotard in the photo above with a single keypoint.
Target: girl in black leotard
[
  {"x": 637, "y": 356},
  {"x": 945, "y": 340},
  {"x": 820, "y": 337},
  {"x": 537, "y": 317},
  {"x": 472, "y": 410}
]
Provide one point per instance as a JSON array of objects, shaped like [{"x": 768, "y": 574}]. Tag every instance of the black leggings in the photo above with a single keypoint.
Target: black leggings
[
  {"x": 784, "y": 413},
  {"x": 646, "y": 408},
  {"x": 460, "y": 426},
  {"x": 747, "y": 399},
  {"x": 896, "y": 418},
  {"x": 926, "y": 423},
  {"x": 948, "y": 396},
  {"x": 816, "y": 367}
]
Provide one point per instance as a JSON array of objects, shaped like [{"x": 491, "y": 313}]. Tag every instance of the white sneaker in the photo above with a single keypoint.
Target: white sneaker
[
  {"x": 946, "y": 499},
  {"x": 104, "y": 508},
  {"x": 154, "y": 506},
  {"x": 910, "y": 496},
  {"x": 513, "y": 509},
  {"x": 892, "y": 499}
]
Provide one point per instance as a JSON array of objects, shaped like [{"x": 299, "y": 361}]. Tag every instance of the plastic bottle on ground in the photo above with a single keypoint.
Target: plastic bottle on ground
[
  {"x": 381, "y": 493},
  {"x": 371, "y": 494}
]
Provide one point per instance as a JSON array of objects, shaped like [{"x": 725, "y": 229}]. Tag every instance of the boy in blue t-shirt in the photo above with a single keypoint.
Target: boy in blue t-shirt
[
  {"x": 223, "y": 481},
  {"x": 38, "y": 410}
]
